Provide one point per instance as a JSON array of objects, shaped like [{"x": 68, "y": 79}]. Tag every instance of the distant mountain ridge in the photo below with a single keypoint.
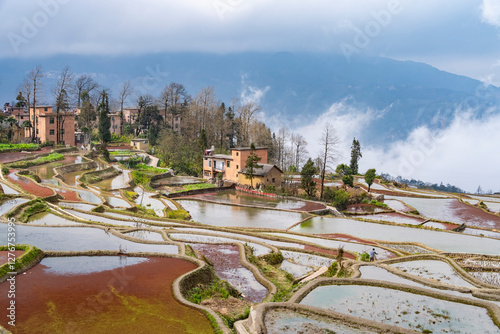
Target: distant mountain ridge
[{"x": 298, "y": 87}]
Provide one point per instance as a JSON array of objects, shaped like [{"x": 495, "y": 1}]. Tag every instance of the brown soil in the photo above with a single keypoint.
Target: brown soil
[
  {"x": 69, "y": 195},
  {"x": 133, "y": 299},
  {"x": 4, "y": 255},
  {"x": 229, "y": 307},
  {"x": 327, "y": 251},
  {"x": 346, "y": 237},
  {"x": 311, "y": 206},
  {"x": 475, "y": 216}
]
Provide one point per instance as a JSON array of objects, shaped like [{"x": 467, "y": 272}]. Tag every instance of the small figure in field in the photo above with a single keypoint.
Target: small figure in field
[{"x": 372, "y": 255}]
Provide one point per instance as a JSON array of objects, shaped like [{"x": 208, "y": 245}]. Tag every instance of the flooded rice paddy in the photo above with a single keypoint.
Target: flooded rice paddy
[
  {"x": 227, "y": 265},
  {"x": 103, "y": 295},
  {"x": 228, "y": 215},
  {"x": 449, "y": 242},
  {"x": 402, "y": 309},
  {"x": 145, "y": 300}
]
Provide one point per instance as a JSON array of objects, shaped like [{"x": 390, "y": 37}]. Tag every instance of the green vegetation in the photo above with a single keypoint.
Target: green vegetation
[
  {"x": 141, "y": 178},
  {"x": 97, "y": 176},
  {"x": 348, "y": 180},
  {"x": 280, "y": 278},
  {"x": 124, "y": 152},
  {"x": 370, "y": 177},
  {"x": 115, "y": 138},
  {"x": 33, "y": 207},
  {"x": 332, "y": 270},
  {"x": 40, "y": 161},
  {"x": 364, "y": 257},
  {"x": 130, "y": 195},
  {"x": 18, "y": 147},
  {"x": 375, "y": 202},
  {"x": 5, "y": 170},
  {"x": 307, "y": 173},
  {"x": 274, "y": 258},
  {"x": 178, "y": 214},
  {"x": 251, "y": 164},
  {"x": 355, "y": 155},
  {"x": 30, "y": 253},
  {"x": 198, "y": 186},
  {"x": 146, "y": 168},
  {"x": 217, "y": 288},
  {"x": 99, "y": 208},
  {"x": 213, "y": 322},
  {"x": 341, "y": 199}
]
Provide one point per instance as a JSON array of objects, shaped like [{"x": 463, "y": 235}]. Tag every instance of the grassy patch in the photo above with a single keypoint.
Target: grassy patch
[
  {"x": 280, "y": 278},
  {"x": 18, "y": 147},
  {"x": 30, "y": 253},
  {"x": 130, "y": 195},
  {"x": 121, "y": 153},
  {"x": 32, "y": 208},
  {"x": 196, "y": 186},
  {"x": 151, "y": 169},
  {"x": 40, "y": 161},
  {"x": 178, "y": 214},
  {"x": 5, "y": 170},
  {"x": 274, "y": 258},
  {"x": 218, "y": 288},
  {"x": 141, "y": 178}
]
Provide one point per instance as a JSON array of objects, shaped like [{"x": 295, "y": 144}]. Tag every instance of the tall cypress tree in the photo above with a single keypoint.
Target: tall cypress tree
[
  {"x": 252, "y": 163},
  {"x": 355, "y": 155},
  {"x": 104, "y": 120}
]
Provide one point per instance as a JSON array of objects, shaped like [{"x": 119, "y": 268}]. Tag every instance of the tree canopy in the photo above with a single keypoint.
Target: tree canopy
[
  {"x": 251, "y": 164},
  {"x": 370, "y": 177},
  {"x": 307, "y": 174}
]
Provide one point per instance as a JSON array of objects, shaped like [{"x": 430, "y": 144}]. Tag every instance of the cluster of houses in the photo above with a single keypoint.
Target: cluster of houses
[
  {"x": 229, "y": 167},
  {"x": 232, "y": 167},
  {"x": 46, "y": 123}
]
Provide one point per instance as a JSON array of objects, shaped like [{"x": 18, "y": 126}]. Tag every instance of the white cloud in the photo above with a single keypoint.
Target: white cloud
[
  {"x": 251, "y": 93},
  {"x": 464, "y": 154},
  {"x": 491, "y": 12},
  {"x": 348, "y": 123}
]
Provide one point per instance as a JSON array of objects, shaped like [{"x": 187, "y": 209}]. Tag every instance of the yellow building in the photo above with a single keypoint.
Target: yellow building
[
  {"x": 140, "y": 144},
  {"x": 268, "y": 175}
]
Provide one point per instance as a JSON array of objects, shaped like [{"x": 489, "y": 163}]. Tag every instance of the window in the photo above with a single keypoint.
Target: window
[
  {"x": 51, "y": 120},
  {"x": 45, "y": 109},
  {"x": 237, "y": 154},
  {"x": 36, "y": 131},
  {"x": 22, "y": 117},
  {"x": 62, "y": 131},
  {"x": 228, "y": 164},
  {"x": 274, "y": 180},
  {"x": 51, "y": 132},
  {"x": 237, "y": 167},
  {"x": 209, "y": 163}
]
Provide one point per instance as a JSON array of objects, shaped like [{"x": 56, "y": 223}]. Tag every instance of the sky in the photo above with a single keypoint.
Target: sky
[
  {"x": 460, "y": 37},
  {"x": 457, "y": 36}
]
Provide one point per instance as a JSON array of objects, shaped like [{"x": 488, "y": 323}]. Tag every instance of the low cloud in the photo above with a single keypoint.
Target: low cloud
[{"x": 464, "y": 154}]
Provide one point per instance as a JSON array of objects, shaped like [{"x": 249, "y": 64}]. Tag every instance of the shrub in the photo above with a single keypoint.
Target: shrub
[
  {"x": 377, "y": 203},
  {"x": 178, "y": 214},
  {"x": 364, "y": 257},
  {"x": 140, "y": 178},
  {"x": 35, "y": 207},
  {"x": 274, "y": 258},
  {"x": 5, "y": 170},
  {"x": 270, "y": 189},
  {"x": 341, "y": 199}
]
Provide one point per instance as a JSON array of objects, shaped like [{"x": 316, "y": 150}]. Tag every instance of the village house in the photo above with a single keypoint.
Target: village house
[
  {"x": 46, "y": 124},
  {"x": 115, "y": 123},
  {"x": 231, "y": 167},
  {"x": 267, "y": 175}
]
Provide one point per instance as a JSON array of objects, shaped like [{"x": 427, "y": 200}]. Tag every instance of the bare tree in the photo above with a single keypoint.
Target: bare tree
[
  {"x": 299, "y": 149},
  {"x": 174, "y": 95},
  {"x": 61, "y": 96},
  {"x": 246, "y": 116},
  {"x": 35, "y": 76},
  {"x": 83, "y": 83},
  {"x": 26, "y": 88},
  {"x": 124, "y": 93},
  {"x": 329, "y": 141}
]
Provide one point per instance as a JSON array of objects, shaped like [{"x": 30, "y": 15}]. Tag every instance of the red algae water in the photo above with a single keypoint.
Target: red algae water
[{"x": 99, "y": 298}]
